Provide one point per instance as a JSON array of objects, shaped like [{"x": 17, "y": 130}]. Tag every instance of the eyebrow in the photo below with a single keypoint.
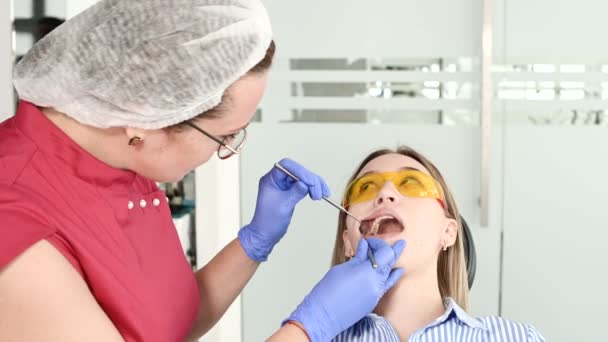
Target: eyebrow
[
  {"x": 401, "y": 169},
  {"x": 239, "y": 129}
]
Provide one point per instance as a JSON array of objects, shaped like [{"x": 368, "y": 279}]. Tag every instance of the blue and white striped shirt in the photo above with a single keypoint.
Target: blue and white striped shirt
[{"x": 455, "y": 325}]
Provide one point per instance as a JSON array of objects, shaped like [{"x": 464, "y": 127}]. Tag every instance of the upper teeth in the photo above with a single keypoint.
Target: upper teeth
[{"x": 377, "y": 221}]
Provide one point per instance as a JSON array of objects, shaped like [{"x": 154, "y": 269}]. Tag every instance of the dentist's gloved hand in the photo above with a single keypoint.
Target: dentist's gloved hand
[
  {"x": 349, "y": 291},
  {"x": 278, "y": 195}
]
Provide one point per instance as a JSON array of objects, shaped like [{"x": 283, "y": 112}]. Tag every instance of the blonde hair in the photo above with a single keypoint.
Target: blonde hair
[{"x": 451, "y": 265}]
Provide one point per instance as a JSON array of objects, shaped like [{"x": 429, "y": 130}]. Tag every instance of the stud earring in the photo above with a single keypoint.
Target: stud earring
[{"x": 134, "y": 141}]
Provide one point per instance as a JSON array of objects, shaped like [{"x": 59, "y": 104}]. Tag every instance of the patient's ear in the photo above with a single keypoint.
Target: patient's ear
[
  {"x": 450, "y": 233},
  {"x": 349, "y": 252}
]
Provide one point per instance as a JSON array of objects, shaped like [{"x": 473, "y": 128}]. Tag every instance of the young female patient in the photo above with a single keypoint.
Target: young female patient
[{"x": 401, "y": 195}]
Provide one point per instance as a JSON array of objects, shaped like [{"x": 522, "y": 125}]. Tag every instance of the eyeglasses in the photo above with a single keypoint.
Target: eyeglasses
[
  {"x": 229, "y": 145},
  {"x": 409, "y": 183}
]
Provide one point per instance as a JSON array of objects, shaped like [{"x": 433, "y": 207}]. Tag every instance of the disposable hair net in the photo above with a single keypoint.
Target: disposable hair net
[{"x": 144, "y": 63}]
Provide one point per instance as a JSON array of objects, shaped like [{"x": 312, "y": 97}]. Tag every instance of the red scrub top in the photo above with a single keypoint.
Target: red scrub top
[{"x": 112, "y": 225}]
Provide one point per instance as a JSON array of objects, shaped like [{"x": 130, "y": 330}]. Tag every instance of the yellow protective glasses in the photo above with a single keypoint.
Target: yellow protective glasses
[{"x": 410, "y": 183}]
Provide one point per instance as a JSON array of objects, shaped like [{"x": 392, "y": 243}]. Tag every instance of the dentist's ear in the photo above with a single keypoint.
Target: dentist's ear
[{"x": 135, "y": 135}]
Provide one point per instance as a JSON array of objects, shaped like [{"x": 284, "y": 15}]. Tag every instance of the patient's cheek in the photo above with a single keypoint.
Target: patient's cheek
[{"x": 402, "y": 261}]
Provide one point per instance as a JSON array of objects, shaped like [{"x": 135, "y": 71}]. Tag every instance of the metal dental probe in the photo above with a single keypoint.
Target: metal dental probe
[{"x": 370, "y": 254}]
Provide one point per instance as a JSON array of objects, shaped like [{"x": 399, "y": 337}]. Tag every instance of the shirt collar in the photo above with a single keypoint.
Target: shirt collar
[
  {"x": 54, "y": 143},
  {"x": 453, "y": 310}
]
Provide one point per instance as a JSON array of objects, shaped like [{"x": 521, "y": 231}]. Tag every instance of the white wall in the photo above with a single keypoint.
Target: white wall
[
  {"x": 55, "y": 8},
  {"x": 555, "y": 264},
  {"x": 6, "y": 61},
  {"x": 73, "y": 7},
  {"x": 555, "y": 30},
  {"x": 555, "y": 203},
  {"x": 217, "y": 223},
  {"x": 346, "y": 28}
]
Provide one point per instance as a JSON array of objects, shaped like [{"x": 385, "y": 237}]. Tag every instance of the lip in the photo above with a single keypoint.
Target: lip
[{"x": 386, "y": 211}]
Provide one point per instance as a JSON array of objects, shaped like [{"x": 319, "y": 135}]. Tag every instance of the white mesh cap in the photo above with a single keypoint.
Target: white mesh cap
[{"x": 144, "y": 63}]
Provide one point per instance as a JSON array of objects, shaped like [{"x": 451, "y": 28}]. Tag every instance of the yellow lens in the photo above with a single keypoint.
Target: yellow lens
[
  {"x": 409, "y": 183},
  {"x": 365, "y": 188},
  {"x": 414, "y": 183}
]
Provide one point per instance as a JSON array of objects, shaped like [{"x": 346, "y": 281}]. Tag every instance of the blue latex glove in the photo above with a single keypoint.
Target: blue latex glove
[
  {"x": 349, "y": 291},
  {"x": 278, "y": 195}
]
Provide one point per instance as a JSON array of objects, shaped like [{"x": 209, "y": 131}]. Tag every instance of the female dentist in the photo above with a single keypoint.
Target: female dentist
[{"x": 124, "y": 95}]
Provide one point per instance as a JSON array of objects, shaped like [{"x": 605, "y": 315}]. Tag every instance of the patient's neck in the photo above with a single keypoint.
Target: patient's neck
[{"x": 413, "y": 303}]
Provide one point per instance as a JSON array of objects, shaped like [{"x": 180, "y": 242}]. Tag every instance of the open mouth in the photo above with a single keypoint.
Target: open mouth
[{"x": 380, "y": 225}]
